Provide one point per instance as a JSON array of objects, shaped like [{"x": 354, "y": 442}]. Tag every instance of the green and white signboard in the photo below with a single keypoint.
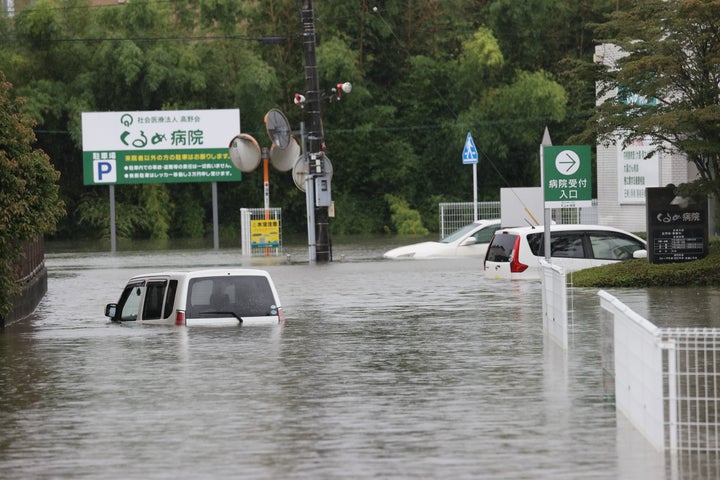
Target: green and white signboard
[
  {"x": 159, "y": 146},
  {"x": 567, "y": 176}
]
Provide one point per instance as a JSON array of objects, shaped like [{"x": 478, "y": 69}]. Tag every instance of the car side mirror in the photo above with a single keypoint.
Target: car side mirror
[
  {"x": 111, "y": 310},
  {"x": 640, "y": 254},
  {"x": 468, "y": 241}
]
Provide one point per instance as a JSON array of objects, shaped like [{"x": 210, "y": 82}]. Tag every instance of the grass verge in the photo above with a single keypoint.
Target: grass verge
[{"x": 639, "y": 273}]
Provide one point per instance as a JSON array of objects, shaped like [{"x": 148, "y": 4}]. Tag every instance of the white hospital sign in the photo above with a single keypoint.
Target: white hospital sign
[{"x": 159, "y": 146}]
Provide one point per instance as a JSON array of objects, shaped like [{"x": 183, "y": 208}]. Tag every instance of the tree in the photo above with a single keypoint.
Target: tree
[
  {"x": 672, "y": 61},
  {"x": 29, "y": 202}
]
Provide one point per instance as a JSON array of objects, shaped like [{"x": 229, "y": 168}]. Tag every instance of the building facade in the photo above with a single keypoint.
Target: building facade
[{"x": 624, "y": 171}]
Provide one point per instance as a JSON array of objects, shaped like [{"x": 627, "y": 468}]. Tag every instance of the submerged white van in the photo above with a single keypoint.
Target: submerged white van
[{"x": 201, "y": 297}]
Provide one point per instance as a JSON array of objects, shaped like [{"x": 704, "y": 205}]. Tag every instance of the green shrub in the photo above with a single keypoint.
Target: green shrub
[
  {"x": 405, "y": 220},
  {"x": 640, "y": 273}
]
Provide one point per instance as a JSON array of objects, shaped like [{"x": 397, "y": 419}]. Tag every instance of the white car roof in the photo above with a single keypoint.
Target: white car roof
[
  {"x": 213, "y": 272},
  {"x": 561, "y": 228}
]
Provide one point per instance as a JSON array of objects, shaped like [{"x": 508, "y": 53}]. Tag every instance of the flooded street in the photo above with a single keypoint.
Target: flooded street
[{"x": 384, "y": 369}]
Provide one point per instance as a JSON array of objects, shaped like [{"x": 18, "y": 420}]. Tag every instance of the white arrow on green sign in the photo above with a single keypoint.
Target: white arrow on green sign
[{"x": 567, "y": 176}]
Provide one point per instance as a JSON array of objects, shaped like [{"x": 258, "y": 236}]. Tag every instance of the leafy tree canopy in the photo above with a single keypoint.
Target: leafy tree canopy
[
  {"x": 666, "y": 81},
  {"x": 29, "y": 203},
  {"x": 424, "y": 73}
]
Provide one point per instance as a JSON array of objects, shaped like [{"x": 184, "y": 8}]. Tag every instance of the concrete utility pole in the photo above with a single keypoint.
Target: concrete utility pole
[{"x": 315, "y": 136}]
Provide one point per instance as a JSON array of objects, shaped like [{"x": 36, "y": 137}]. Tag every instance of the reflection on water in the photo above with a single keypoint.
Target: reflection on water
[{"x": 384, "y": 369}]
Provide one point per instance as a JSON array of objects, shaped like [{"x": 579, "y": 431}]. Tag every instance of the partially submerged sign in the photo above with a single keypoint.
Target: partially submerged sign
[
  {"x": 159, "y": 146},
  {"x": 265, "y": 233}
]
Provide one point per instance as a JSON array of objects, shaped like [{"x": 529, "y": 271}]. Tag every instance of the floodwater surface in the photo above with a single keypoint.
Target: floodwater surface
[{"x": 383, "y": 369}]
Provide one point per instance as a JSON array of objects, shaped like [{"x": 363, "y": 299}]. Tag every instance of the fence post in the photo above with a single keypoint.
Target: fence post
[{"x": 672, "y": 394}]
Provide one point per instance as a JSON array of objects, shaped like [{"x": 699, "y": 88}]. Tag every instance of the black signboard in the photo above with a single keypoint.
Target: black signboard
[{"x": 677, "y": 226}]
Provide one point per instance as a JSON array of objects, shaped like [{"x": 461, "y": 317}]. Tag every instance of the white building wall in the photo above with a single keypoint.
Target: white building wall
[
  {"x": 630, "y": 217},
  {"x": 674, "y": 168}
]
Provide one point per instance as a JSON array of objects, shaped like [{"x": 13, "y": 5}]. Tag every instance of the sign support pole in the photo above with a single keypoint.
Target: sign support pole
[
  {"x": 547, "y": 221},
  {"x": 266, "y": 188},
  {"x": 309, "y": 199},
  {"x": 113, "y": 230},
  {"x": 475, "y": 200},
  {"x": 216, "y": 235}
]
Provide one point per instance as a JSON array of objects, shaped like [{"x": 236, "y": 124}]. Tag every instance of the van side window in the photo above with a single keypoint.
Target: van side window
[
  {"x": 129, "y": 304},
  {"x": 170, "y": 298},
  {"x": 154, "y": 296}
]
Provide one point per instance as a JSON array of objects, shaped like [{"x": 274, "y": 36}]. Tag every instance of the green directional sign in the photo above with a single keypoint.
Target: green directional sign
[{"x": 567, "y": 174}]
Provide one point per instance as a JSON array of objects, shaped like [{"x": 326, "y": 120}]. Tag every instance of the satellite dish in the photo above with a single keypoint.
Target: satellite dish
[
  {"x": 300, "y": 171},
  {"x": 244, "y": 152},
  {"x": 278, "y": 128},
  {"x": 284, "y": 159}
]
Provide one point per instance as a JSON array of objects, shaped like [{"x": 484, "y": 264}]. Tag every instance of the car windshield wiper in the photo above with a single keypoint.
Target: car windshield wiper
[{"x": 218, "y": 312}]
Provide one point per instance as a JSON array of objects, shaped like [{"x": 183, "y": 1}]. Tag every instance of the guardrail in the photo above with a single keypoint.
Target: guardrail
[
  {"x": 554, "y": 303},
  {"x": 666, "y": 380},
  {"x": 32, "y": 279}
]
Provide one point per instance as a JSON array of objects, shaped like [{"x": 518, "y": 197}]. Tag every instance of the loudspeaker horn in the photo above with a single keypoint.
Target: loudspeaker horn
[
  {"x": 244, "y": 152},
  {"x": 283, "y": 159}
]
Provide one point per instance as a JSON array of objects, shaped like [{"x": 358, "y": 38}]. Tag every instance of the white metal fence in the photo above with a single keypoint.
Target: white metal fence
[
  {"x": 246, "y": 216},
  {"x": 666, "y": 382},
  {"x": 456, "y": 215},
  {"x": 555, "y": 303}
]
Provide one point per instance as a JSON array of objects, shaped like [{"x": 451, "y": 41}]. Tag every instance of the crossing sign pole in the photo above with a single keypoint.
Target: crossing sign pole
[{"x": 470, "y": 157}]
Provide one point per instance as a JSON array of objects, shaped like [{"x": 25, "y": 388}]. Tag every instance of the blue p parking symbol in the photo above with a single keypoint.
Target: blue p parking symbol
[{"x": 104, "y": 171}]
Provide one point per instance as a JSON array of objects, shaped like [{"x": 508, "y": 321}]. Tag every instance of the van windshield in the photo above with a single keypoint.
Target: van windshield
[{"x": 239, "y": 296}]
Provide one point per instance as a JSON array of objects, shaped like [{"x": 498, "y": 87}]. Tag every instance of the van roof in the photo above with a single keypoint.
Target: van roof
[{"x": 211, "y": 272}]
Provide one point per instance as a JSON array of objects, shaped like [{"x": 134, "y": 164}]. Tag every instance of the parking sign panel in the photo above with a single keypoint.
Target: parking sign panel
[{"x": 159, "y": 147}]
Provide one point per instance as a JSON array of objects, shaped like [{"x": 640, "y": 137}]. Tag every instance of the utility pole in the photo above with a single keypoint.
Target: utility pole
[{"x": 315, "y": 137}]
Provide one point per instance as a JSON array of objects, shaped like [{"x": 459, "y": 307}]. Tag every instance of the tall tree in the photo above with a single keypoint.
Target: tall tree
[
  {"x": 671, "y": 60},
  {"x": 29, "y": 203}
]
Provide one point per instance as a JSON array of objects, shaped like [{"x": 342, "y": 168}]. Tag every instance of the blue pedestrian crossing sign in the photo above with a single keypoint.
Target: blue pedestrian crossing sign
[{"x": 470, "y": 153}]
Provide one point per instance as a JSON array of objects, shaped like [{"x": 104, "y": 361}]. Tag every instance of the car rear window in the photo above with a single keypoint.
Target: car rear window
[
  {"x": 501, "y": 247},
  {"x": 241, "y": 296}
]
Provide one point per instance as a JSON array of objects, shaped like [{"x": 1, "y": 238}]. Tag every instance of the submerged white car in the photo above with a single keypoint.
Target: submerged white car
[
  {"x": 469, "y": 241},
  {"x": 201, "y": 297}
]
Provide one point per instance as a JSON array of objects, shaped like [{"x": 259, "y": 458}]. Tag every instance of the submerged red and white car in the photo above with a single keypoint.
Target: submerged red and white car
[
  {"x": 513, "y": 253},
  {"x": 201, "y": 297}
]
